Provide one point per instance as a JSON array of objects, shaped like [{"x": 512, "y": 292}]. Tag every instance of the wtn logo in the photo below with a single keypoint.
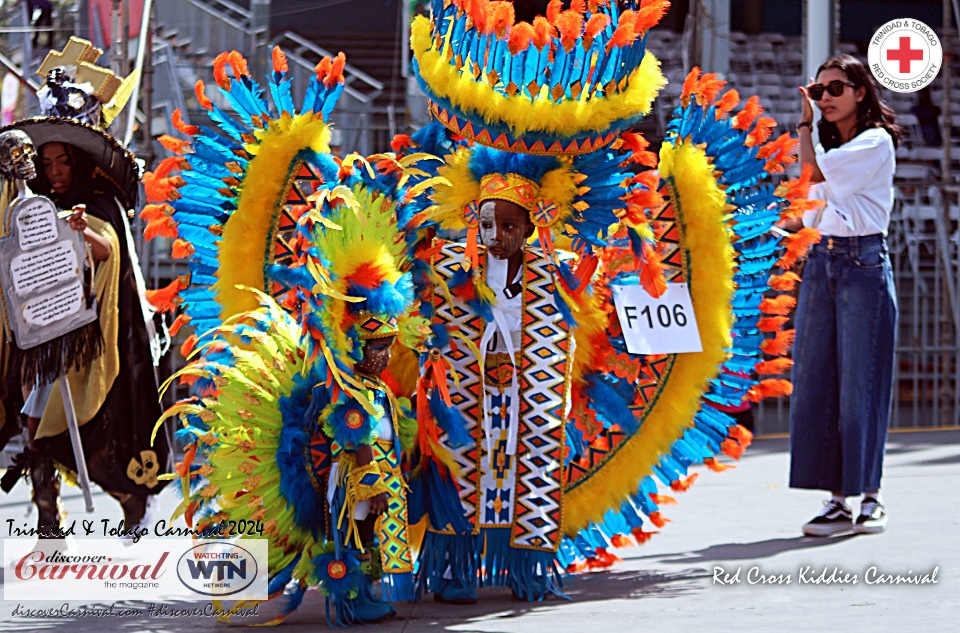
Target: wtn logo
[
  {"x": 217, "y": 569},
  {"x": 224, "y": 569}
]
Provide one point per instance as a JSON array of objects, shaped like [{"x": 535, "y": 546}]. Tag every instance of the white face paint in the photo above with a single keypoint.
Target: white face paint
[{"x": 488, "y": 224}]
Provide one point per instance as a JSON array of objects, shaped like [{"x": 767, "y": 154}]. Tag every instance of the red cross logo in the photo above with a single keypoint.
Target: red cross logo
[{"x": 905, "y": 55}]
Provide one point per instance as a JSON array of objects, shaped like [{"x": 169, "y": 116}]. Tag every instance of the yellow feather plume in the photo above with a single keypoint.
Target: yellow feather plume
[
  {"x": 566, "y": 118},
  {"x": 700, "y": 212},
  {"x": 247, "y": 236}
]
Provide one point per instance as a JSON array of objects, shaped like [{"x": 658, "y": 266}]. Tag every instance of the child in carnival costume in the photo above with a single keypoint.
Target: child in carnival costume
[
  {"x": 541, "y": 437},
  {"x": 296, "y": 295}
]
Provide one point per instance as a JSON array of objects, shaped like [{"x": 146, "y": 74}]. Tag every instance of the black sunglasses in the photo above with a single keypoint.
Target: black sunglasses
[{"x": 835, "y": 88}]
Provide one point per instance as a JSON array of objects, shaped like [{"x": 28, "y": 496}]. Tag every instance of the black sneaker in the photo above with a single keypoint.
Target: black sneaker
[
  {"x": 872, "y": 519},
  {"x": 835, "y": 518}
]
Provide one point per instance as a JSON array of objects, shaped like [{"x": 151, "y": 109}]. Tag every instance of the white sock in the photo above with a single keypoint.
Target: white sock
[
  {"x": 840, "y": 499},
  {"x": 872, "y": 495}
]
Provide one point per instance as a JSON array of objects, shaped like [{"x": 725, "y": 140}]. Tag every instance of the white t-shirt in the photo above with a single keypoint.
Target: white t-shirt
[{"x": 857, "y": 187}]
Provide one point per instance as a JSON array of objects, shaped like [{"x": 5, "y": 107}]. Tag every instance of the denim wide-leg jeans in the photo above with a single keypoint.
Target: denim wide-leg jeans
[{"x": 843, "y": 366}]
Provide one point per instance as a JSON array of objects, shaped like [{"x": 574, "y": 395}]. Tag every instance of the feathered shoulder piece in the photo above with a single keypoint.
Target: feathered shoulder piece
[{"x": 568, "y": 82}]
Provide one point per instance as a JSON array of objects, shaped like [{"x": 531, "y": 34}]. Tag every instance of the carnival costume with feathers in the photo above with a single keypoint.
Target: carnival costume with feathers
[
  {"x": 551, "y": 453},
  {"x": 267, "y": 217}
]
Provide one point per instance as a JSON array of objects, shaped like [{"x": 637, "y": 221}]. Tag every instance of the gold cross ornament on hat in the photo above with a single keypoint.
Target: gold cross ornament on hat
[{"x": 83, "y": 55}]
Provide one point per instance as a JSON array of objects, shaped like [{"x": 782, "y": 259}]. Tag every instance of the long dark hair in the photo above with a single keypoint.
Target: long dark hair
[
  {"x": 872, "y": 112},
  {"x": 81, "y": 171}
]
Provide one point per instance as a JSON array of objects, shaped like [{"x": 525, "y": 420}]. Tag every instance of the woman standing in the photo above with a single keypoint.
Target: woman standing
[
  {"x": 115, "y": 396},
  {"x": 847, "y": 310}
]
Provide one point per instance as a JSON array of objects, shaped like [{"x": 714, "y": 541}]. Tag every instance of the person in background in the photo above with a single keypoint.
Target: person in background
[
  {"x": 928, "y": 117},
  {"x": 847, "y": 310}
]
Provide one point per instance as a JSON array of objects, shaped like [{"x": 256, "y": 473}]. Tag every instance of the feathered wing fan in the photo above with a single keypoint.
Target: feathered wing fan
[
  {"x": 257, "y": 172},
  {"x": 253, "y": 449},
  {"x": 640, "y": 422}
]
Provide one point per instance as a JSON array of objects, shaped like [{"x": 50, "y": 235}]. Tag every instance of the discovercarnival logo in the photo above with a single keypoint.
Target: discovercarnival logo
[
  {"x": 97, "y": 569},
  {"x": 217, "y": 569}
]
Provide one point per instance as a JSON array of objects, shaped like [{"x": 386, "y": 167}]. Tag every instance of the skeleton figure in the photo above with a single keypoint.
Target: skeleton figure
[{"x": 17, "y": 156}]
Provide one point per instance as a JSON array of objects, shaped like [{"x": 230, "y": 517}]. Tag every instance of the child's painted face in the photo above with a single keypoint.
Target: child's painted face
[
  {"x": 503, "y": 228},
  {"x": 376, "y": 356}
]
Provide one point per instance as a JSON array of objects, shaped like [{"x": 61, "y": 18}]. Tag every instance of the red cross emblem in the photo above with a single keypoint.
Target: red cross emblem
[{"x": 905, "y": 55}]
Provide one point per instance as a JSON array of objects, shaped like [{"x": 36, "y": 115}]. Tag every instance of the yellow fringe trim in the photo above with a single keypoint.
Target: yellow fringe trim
[
  {"x": 243, "y": 247},
  {"x": 566, "y": 118},
  {"x": 690, "y": 176}
]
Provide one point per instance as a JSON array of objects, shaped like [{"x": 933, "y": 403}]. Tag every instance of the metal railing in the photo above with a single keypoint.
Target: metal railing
[
  {"x": 209, "y": 26},
  {"x": 924, "y": 248},
  {"x": 353, "y": 118}
]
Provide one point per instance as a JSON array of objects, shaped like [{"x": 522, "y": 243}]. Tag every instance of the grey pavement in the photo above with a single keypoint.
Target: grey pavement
[{"x": 744, "y": 519}]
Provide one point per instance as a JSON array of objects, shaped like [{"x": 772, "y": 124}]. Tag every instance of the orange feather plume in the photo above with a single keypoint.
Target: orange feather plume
[
  {"x": 521, "y": 36},
  {"x": 798, "y": 245},
  {"x": 772, "y": 324},
  {"x": 401, "y": 142},
  {"x": 640, "y": 536},
  {"x": 336, "y": 71},
  {"x": 174, "y": 144},
  {"x": 779, "y": 153},
  {"x": 731, "y": 448},
  {"x": 239, "y": 64},
  {"x": 727, "y": 103},
  {"x": 796, "y": 188},
  {"x": 658, "y": 520},
  {"x": 751, "y": 110},
  {"x": 682, "y": 485},
  {"x": 689, "y": 84},
  {"x": 158, "y": 186},
  {"x": 662, "y": 500},
  {"x": 180, "y": 126},
  {"x": 770, "y": 388},
  {"x": 780, "y": 344},
  {"x": 570, "y": 25},
  {"x": 202, "y": 99},
  {"x": 781, "y": 305},
  {"x": 165, "y": 299},
  {"x": 716, "y": 466},
  {"x": 477, "y": 11},
  {"x": 188, "y": 345},
  {"x": 153, "y": 211},
  {"x": 367, "y": 275},
  {"x": 784, "y": 282},
  {"x": 650, "y": 14},
  {"x": 579, "y": 6},
  {"x": 651, "y": 272},
  {"x": 596, "y": 24},
  {"x": 181, "y": 249},
  {"x": 707, "y": 88},
  {"x": 220, "y": 70},
  {"x": 500, "y": 17},
  {"x": 322, "y": 69},
  {"x": 166, "y": 166},
  {"x": 161, "y": 227},
  {"x": 626, "y": 33},
  {"x": 774, "y": 367},
  {"x": 179, "y": 322},
  {"x": 543, "y": 32},
  {"x": 637, "y": 145},
  {"x": 761, "y": 132},
  {"x": 603, "y": 559},
  {"x": 279, "y": 60},
  {"x": 554, "y": 8}
]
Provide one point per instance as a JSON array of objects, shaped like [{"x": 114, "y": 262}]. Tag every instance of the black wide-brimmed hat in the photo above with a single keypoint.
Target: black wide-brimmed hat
[{"x": 109, "y": 158}]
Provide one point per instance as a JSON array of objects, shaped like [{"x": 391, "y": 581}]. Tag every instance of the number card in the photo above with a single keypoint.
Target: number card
[{"x": 657, "y": 326}]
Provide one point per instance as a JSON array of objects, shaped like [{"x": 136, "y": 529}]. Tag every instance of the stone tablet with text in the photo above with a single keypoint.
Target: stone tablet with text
[{"x": 42, "y": 274}]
